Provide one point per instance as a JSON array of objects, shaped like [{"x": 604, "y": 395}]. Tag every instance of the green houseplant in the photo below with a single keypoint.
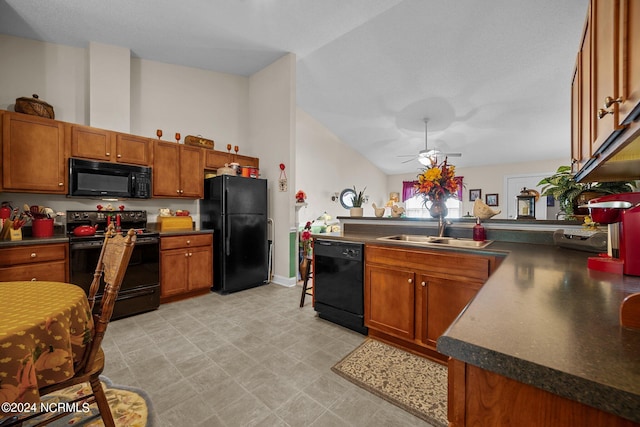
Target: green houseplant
[
  {"x": 571, "y": 194},
  {"x": 358, "y": 198},
  {"x": 357, "y": 201}
]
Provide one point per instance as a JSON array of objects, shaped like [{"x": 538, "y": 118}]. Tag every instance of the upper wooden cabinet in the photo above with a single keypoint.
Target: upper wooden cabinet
[
  {"x": 629, "y": 53},
  {"x": 33, "y": 154},
  {"x": 604, "y": 66},
  {"x": 104, "y": 145},
  {"x": 606, "y": 94},
  {"x": 178, "y": 170},
  {"x": 216, "y": 159}
]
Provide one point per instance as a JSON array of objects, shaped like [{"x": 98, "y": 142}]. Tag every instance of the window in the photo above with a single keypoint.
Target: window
[{"x": 414, "y": 208}]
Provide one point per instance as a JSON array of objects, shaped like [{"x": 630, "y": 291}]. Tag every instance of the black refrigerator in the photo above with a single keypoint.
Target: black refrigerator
[{"x": 236, "y": 209}]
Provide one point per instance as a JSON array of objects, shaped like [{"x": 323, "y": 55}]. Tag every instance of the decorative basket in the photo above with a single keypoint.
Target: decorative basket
[
  {"x": 198, "y": 141},
  {"x": 34, "y": 107}
]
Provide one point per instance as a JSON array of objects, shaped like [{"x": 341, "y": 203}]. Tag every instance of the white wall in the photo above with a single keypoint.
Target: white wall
[
  {"x": 190, "y": 101},
  {"x": 57, "y": 73},
  {"x": 109, "y": 87},
  {"x": 272, "y": 126},
  {"x": 489, "y": 179},
  {"x": 324, "y": 165}
]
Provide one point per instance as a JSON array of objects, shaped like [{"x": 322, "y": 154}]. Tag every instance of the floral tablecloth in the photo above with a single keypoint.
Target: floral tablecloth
[{"x": 44, "y": 330}]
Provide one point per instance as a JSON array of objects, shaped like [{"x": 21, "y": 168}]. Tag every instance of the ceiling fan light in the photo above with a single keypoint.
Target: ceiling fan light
[{"x": 425, "y": 160}]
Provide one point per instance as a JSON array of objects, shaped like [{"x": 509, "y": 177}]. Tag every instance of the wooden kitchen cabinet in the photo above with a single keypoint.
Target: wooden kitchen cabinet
[
  {"x": 178, "y": 170},
  {"x": 186, "y": 265},
  {"x": 478, "y": 397},
  {"x": 604, "y": 67},
  {"x": 48, "y": 262},
  {"x": 412, "y": 296},
  {"x": 581, "y": 112},
  {"x": 33, "y": 154},
  {"x": 608, "y": 68},
  {"x": 629, "y": 60},
  {"x": 108, "y": 146},
  {"x": 216, "y": 159}
]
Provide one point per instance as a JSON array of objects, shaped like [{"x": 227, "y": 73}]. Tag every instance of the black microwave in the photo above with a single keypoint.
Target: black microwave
[{"x": 101, "y": 179}]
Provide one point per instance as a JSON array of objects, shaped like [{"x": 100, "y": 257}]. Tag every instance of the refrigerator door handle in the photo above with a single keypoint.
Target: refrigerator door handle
[{"x": 227, "y": 242}]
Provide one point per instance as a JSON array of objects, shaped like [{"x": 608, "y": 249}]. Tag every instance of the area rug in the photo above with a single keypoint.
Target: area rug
[
  {"x": 413, "y": 383},
  {"x": 130, "y": 406}
]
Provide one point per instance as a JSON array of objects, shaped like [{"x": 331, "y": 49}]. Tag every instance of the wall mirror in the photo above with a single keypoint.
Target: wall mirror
[{"x": 346, "y": 198}]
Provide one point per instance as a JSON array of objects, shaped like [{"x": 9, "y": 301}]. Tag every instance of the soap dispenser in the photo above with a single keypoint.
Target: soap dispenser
[{"x": 479, "y": 233}]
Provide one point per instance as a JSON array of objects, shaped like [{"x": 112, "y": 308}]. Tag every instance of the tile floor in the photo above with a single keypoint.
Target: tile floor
[{"x": 252, "y": 358}]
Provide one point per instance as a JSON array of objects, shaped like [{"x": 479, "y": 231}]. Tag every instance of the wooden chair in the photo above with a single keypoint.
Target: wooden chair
[
  {"x": 112, "y": 265},
  {"x": 306, "y": 289}
]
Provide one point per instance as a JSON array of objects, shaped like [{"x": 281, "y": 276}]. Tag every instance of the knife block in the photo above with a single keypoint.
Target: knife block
[{"x": 8, "y": 233}]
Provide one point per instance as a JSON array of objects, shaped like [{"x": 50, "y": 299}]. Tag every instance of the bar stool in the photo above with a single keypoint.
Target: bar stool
[{"x": 306, "y": 290}]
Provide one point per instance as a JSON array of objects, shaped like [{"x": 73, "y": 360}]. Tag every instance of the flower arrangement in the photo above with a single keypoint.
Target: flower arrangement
[
  {"x": 305, "y": 240},
  {"x": 437, "y": 182},
  {"x": 300, "y": 196}
]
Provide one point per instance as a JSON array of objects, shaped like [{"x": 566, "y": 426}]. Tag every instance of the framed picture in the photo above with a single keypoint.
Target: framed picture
[
  {"x": 491, "y": 199},
  {"x": 475, "y": 194}
]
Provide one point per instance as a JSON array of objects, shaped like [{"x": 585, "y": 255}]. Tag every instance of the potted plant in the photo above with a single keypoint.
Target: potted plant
[
  {"x": 357, "y": 201},
  {"x": 571, "y": 194}
]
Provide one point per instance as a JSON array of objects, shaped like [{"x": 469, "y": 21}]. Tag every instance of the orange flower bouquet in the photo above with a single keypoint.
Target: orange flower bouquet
[{"x": 437, "y": 182}]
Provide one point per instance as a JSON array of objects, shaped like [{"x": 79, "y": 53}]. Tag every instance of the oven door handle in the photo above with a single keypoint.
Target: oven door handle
[{"x": 134, "y": 294}]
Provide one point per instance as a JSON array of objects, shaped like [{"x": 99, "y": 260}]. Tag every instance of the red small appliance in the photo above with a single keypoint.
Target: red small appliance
[{"x": 622, "y": 214}]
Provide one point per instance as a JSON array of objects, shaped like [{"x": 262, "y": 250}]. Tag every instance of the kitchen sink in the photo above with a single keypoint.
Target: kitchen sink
[{"x": 437, "y": 241}]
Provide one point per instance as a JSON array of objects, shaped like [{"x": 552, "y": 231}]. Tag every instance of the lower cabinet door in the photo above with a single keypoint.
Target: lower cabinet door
[
  {"x": 389, "y": 301},
  {"x": 445, "y": 299},
  {"x": 173, "y": 272},
  {"x": 200, "y": 268}
]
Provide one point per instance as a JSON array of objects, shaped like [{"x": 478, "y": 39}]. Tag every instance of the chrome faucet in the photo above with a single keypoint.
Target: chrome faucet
[{"x": 442, "y": 224}]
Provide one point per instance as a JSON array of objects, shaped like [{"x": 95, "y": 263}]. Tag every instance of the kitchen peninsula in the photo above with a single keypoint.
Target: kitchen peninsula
[{"x": 541, "y": 343}]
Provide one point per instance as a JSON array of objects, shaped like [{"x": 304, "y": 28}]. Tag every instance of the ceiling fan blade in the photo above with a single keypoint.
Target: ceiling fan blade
[
  {"x": 453, "y": 154},
  {"x": 410, "y": 160}
]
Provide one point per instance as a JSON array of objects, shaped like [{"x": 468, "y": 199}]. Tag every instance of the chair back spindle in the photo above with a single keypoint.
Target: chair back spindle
[{"x": 112, "y": 266}]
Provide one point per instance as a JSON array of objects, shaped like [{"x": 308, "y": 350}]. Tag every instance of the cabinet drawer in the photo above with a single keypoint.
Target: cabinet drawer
[
  {"x": 186, "y": 241},
  {"x": 32, "y": 254},
  {"x": 446, "y": 264},
  {"x": 46, "y": 271}
]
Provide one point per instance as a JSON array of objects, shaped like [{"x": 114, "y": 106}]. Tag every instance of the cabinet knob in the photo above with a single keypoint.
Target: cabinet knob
[
  {"x": 118, "y": 155},
  {"x": 61, "y": 184},
  {"x": 609, "y": 101},
  {"x": 410, "y": 280},
  {"x": 190, "y": 254},
  {"x": 602, "y": 112},
  {"x": 107, "y": 154},
  {"x": 33, "y": 279},
  {"x": 33, "y": 255},
  {"x": 423, "y": 284},
  {"x": 178, "y": 191},
  {"x": 188, "y": 242},
  {"x": 186, "y": 254}
]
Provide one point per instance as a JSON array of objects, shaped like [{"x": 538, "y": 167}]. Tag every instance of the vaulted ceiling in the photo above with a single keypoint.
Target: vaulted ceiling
[{"x": 492, "y": 77}]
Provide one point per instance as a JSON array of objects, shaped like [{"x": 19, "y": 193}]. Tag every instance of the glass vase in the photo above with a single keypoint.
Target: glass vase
[{"x": 438, "y": 209}]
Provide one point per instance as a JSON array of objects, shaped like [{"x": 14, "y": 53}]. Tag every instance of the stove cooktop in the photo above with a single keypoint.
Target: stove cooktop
[{"x": 125, "y": 219}]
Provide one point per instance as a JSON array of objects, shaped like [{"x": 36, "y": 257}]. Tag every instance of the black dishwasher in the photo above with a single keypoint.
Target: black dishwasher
[{"x": 338, "y": 283}]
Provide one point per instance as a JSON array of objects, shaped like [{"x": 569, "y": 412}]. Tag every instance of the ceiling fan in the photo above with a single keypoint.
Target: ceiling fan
[{"x": 425, "y": 156}]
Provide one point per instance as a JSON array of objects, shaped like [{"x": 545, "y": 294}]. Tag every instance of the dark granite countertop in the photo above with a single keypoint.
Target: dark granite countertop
[
  {"x": 543, "y": 318},
  {"x": 56, "y": 238}
]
